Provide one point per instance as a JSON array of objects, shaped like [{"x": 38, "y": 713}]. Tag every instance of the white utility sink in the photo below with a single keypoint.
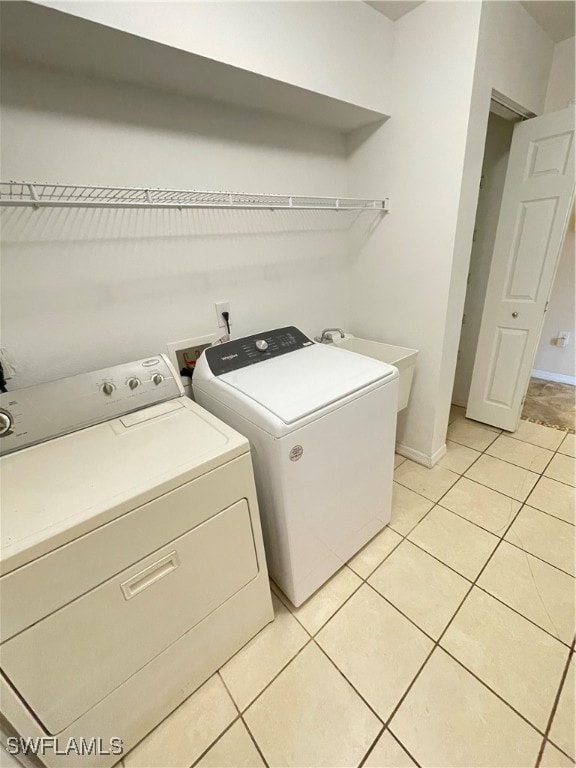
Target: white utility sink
[{"x": 403, "y": 358}]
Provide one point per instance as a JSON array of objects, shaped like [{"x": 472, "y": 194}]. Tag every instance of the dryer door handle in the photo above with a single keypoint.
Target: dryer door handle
[{"x": 148, "y": 576}]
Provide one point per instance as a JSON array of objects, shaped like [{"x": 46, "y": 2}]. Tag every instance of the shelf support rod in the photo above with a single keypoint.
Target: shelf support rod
[{"x": 34, "y": 195}]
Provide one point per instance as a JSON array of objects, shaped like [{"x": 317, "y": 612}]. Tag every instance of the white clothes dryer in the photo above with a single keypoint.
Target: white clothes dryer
[
  {"x": 321, "y": 423},
  {"x": 132, "y": 562}
]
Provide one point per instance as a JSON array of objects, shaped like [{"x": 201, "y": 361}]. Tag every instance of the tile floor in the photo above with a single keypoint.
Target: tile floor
[{"x": 447, "y": 641}]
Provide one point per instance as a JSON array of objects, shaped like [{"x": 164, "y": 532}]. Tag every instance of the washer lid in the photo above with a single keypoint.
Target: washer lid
[{"x": 304, "y": 381}]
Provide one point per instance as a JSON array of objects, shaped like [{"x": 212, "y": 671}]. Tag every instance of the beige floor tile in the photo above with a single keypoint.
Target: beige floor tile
[
  {"x": 458, "y": 457},
  {"x": 376, "y": 648},
  {"x": 553, "y": 758},
  {"x": 182, "y": 737},
  {"x": 471, "y": 434},
  {"x": 537, "y": 434},
  {"x": 251, "y": 669},
  {"x": 408, "y": 508},
  {"x": 431, "y": 483},
  {"x": 456, "y": 411},
  {"x": 556, "y": 498},
  {"x": 481, "y": 505},
  {"x": 426, "y": 591},
  {"x": 235, "y": 749},
  {"x": 450, "y": 719},
  {"x": 520, "y": 453},
  {"x": 461, "y": 545},
  {"x": 525, "y": 672},
  {"x": 325, "y": 602},
  {"x": 310, "y": 716},
  {"x": 503, "y": 477},
  {"x": 545, "y": 537},
  {"x": 374, "y": 552},
  {"x": 562, "y": 730},
  {"x": 388, "y": 753},
  {"x": 568, "y": 446},
  {"x": 535, "y": 589},
  {"x": 398, "y": 460},
  {"x": 562, "y": 468}
]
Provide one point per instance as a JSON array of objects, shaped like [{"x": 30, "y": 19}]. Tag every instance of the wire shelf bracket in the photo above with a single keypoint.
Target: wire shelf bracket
[{"x": 41, "y": 195}]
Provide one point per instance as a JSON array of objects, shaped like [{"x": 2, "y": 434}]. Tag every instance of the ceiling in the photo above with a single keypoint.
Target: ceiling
[
  {"x": 556, "y": 17},
  {"x": 393, "y": 9}
]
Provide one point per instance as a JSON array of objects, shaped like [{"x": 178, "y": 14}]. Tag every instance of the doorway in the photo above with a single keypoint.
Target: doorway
[
  {"x": 506, "y": 291},
  {"x": 495, "y": 163}
]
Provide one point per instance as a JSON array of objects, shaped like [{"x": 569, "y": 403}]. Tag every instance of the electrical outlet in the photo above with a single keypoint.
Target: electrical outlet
[
  {"x": 562, "y": 338},
  {"x": 222, "y": 306}
]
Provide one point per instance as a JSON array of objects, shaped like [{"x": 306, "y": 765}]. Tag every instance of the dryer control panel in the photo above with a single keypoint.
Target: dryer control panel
[
  {"x": 224, "y": 358},
  {"x": 44, "y": 411}
]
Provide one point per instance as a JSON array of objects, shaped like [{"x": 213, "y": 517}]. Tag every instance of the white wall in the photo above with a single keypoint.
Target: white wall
[
  {"x": 561, "y": 85},
  {"x": 402, "y": 275},
  {"x": 561, "y": 313},
  {"x": 514, "y": 59},
  {"x": 88, "y": 288},
  {"x": 341, "y": 49},
  {"x": 410, "y": 277}
]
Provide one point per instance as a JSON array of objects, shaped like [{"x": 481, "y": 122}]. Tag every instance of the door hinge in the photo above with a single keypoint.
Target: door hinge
[
  {"x": 474, "y": 235},
  {"x": 546, "y": 307}
]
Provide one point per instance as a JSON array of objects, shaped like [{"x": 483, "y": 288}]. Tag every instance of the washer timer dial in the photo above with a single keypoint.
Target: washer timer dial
[
  {"x": 6, "y": 422},
  {"x": 261, "y": 345}
]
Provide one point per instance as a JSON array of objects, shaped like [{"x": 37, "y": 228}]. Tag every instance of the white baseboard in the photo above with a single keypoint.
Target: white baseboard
[
  {"x": 419, "y": 457},
  {"x": 559, "y": 377}
]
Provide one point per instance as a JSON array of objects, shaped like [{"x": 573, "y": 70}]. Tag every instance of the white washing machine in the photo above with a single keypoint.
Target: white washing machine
[
  {"x": 321, "y": 422},
  {"x": 132, "y": 562}
]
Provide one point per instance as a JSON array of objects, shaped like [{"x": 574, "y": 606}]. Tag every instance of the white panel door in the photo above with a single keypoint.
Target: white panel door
[{"x": 536, "y": 203}]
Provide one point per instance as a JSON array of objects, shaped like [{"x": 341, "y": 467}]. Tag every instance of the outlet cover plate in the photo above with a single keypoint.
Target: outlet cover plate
[{"x": 222, "y": 306}]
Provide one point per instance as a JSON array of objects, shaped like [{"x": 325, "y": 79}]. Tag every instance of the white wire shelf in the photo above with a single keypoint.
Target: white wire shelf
[{"x": 24, "y": 193}]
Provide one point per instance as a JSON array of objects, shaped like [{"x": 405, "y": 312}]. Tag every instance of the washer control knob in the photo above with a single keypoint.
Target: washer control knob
[
  {"x": 133, "y": 382},
  {"x": 157, "y": 378},
  {"x": 6, "y": 422},
  {"x": 262, "y": 345},
  {"x": 108, "y": 388}
]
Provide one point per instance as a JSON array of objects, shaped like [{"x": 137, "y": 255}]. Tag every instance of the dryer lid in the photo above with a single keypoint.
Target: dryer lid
[{"x": 304, "y": 381}]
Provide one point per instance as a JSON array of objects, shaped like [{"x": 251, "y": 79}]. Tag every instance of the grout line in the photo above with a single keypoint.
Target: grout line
[
  {"x": 537, "y": 557},
  {"x": 277, "y": 675},
  {"x": 216, "y": 740},
  {"x": 434, "y": 557},
  {"x": 474, "y": 480},
  {"x": 517, "y": 612},
  {"x": 482, "y": 528},
  {"x": 253, "y": 738},
  {"x": 350, "y": 683},
  {"x": 555, "y": 707},
  {"x": 371, "y": 748},
  {"x": 386, "y": 556},
  {"x": 550, "y": 514},
  {"x": 396, "y": 608},
  {"x": 436, "y": 643},
  {"x": 292, "y": 608},
  {"x": 226, "y": 687},
  {"x": 410, "y": 755},
  {"x": 498, "y": 695}
]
